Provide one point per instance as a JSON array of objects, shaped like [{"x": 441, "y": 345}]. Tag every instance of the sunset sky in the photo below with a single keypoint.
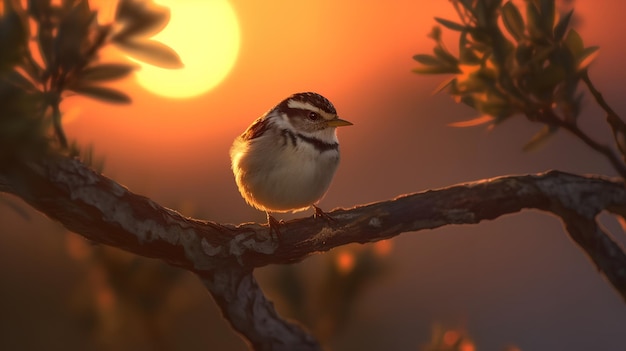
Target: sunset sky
[{"x": 516, "y": 280}]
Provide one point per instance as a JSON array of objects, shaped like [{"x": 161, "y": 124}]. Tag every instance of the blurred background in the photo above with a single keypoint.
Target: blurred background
[{"x": 516, "y": 282}]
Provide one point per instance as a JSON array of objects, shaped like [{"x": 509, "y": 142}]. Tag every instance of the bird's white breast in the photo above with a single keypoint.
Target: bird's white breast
[{"x": 276, "y": 175}]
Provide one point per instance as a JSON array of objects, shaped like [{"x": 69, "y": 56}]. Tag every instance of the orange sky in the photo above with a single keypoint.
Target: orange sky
[
  {"x": 352, "y": 55},
  {"x": 358, "y": 54}
]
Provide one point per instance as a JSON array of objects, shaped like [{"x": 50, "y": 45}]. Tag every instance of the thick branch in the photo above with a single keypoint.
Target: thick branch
[
  {"x": 607, "y": 256},
  {"x": 243, "y": 303},
  {"x": 224, "y": 255}
]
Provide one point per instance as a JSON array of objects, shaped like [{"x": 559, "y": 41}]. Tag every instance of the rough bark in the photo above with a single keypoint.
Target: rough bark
[{"x": 225, "y": 255}]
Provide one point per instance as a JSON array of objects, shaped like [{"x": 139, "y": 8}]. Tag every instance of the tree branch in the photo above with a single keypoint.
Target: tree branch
[
  {"x": 243, "y": 303},
  {"x": 597, "y": 95},
  {"x": 549, "y": 117},
  {"x": 224, "y": 255}
]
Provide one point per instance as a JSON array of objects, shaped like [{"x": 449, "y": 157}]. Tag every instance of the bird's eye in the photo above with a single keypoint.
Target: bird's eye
[{"x": 314, "y": 116}]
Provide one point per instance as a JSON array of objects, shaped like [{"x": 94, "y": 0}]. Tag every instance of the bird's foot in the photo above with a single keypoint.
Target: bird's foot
[
  {"x": 274, "y": 226},
  {"x": 321, "y": 214}
]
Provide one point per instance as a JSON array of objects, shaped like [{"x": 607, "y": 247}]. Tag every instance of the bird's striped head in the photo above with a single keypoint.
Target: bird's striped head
[{"x": 310, "y": 111}]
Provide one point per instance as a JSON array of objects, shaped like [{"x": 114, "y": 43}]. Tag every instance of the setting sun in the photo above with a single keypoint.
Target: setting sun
[{"x": 206, "y": 36}]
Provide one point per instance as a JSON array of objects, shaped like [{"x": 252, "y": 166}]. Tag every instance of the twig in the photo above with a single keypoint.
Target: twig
[
  {"x": 548, "y": 116},
  {"x": 597, "y": 95}
]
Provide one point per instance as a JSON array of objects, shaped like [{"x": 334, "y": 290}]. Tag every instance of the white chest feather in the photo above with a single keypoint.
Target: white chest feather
[{"x": 286, "y": 171}]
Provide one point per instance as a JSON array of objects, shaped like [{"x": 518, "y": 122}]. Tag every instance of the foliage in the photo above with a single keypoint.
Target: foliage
[
  {"x": 516, "y": 59},
  {"x": 51, "y": 50}
]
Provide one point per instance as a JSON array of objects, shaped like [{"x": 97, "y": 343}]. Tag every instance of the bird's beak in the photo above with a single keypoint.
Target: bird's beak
[{"x": 338, "y": 123}]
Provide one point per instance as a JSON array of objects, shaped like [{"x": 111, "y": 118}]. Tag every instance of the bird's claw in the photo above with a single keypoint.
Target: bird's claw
[
  {"x": 274, "y": 226},
  {"x": 319, "y": 213}
]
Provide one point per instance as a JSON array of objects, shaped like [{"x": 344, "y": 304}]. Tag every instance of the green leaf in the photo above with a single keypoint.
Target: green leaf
[
  {"x": 478, "y": 81},
  {"x": 468, "y": 4},
  {"x": 450, "y": 25},
  {"x": 73, "y": 36},
  {"x": 565, "y": 60},
  {"x": 513, "y": 20},
  {"x": 482, "y": 15},
  {"x": 523, "y": 53},
  {"x": 467, "y": 56},
  {"x": 140, "y": 18},
  {"x": 586, "y": 57},
  {"x": 533, "y": 21},
  {"x": 540, "y": 138},
  {"x": 152, "y": 52},
  {"x": 561, "y": 26},
  {"x": 102, "y": 93},
  {"x": 13, "y": 38},
  {"x": 446, "y": 83},
  {"x": 435, "y": 33},
  {"x": 18, "y": 80},
  {"x": 503, "y": 49},
  {"x": 109, "y": 71},
  {"x": 494, "y": 107},
  {"x": 574, "y": 43},
  {"x": 38, "y": 8},
  {"x": 469, "y": 101},
  {"x": 472, "y": 122},
  {"x": 445, "y": 56},
  {"x": 547, "y": 14},
  {"x": 22, "y": 128},
  {"x": 429, "y": 60},
  {"x": 546, "y": 79},
  {"x": 45, "y": 45},
  {"x": 541, "y": 54},
  {"x": 436, "y": 70}
]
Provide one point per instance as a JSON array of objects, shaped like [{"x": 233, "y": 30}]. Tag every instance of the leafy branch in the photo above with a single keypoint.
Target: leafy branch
[
  {"x": 510, "y": 65},
  {"x": 59, "y": 55}
]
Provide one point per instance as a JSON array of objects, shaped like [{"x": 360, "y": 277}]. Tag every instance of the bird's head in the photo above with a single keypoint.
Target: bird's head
[{"x": 310, "y": 113}]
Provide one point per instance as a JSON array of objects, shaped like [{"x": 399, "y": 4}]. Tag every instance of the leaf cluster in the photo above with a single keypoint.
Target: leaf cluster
[
  {"x": 51, "y": 49},
  {"x": 512, "y": 60}
]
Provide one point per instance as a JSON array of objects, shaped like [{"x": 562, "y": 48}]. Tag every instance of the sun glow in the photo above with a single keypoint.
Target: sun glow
[{"x": 205, "y": 34}]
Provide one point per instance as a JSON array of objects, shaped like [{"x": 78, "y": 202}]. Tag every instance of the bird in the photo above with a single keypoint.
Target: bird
[{"x": 286, "y": 159}]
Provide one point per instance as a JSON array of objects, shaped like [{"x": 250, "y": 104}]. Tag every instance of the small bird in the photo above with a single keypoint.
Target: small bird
[{"x": 286, "y": 159}]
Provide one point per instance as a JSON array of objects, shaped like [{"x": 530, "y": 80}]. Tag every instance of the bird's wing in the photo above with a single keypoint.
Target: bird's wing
[{"x": 256, "y": 129}]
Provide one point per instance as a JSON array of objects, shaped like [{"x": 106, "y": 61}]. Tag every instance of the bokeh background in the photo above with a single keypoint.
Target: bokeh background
[{"x": 518, "y": 280}]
